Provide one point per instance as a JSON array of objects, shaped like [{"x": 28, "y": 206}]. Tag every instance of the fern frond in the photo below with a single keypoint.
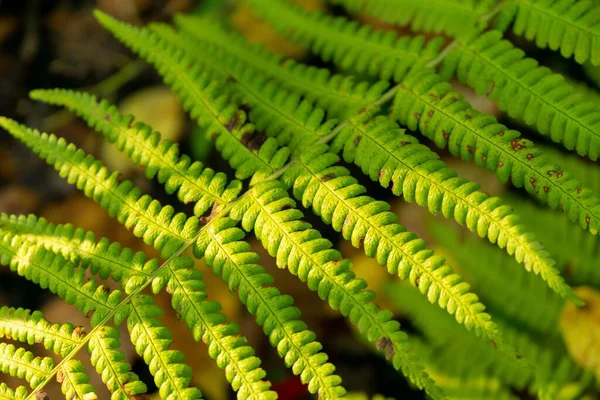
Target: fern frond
[
  {"x": 569, "y": 26},
  {"x": 480, "y": 386},
  {"x": 341, "y": 95},
  {"x": 386, "y": 154},
  {"x": 126, "y": 206},
  {"x": 221, "y": 246},
  {"x": 347, "y": 43},
  {"x": 447, "y": 343},
  {"x": 305, "y": 253},
  {"x": 31, "y": 327},
  {"x": 335, "y": 195},
  {"x": 225, "y": 343},
  {"x": 7, "y": 393},
  {"x": 52, "y": 272},
  {"x": 452, "y": 17},
  {"x": 110, "y": 364},
  {"x": 288, "y": 116},
  {"x": 533, "y": 94},
  {"x": 507, "y": 289},
  {"x": 75, "y": 382},
  {"x": 199, "y": 185},
  {"x": 151, "y": 341},
  {"x": 104, "y": 258},
  {"x": 578, "y": 261},
  {"x": 400, "y": 354},
  {"x": 204, "y": 98},
  {"x": 426, "y": 103},
  {"x": 20, "y": 363},
  {"x": 158, "y": 226}
]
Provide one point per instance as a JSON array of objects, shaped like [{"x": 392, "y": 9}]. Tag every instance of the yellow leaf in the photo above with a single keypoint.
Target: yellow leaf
[{"x": 580, "y": 329}]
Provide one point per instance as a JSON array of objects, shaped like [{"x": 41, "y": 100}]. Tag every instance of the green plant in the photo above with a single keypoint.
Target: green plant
[{"x": 281, "y": 126}]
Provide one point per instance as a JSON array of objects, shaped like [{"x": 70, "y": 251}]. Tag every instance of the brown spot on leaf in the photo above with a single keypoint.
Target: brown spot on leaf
[
  {"x": 386, "y": 346},
  {"x": 327, "y": 177},
  {"x": 60, "y": 376},
  {"x": 445, "y": 134},
  {"x": 107, "y": 117},
  {"x": 501, "y": 133},
  {"x": 79, "y": 332},
  {"x": 471, "y": 149},
  {"x": 532, "y": 180},
  {"x": 516, "y": 144},
  {"x": 588, "y": 219},
  {"x": 546, "y": 189},
  {"x": 430, "y": 113},
  {"x": 579, "y": 190},
  {"x": 530, "y": 156},
  {"x": 230, "y": 126},
  {"x": 500, "y": 164},
  {"x": 42, "y": 396},
  {"x": 357, "y": 140},
  {"x": 483, "y": 158},
  {"x": 363, "y": 110},
  {"x": 417, "y": 116},
  {"x": 253, "y": 140}
]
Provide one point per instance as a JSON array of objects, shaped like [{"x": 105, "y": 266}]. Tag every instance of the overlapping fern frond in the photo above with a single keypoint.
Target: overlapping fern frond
[{"x": 285, "y": 127}]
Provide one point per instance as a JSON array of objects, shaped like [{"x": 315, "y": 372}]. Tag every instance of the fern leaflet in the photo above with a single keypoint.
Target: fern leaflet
[
  {"x": 452, "y": 17},
  {"x": 571, "y": 26},
  {"x": 494, "y": 67}
]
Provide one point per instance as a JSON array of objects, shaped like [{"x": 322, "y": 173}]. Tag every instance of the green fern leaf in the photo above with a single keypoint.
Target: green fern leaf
[
  {"x": 75, "y": 382},
  {"x": 152, "y": 340},
  {"x": 110, "y": 363},
  {"x": 340, "y": 94},
  {"x": 452, "y": 17},
  {"x": 503, "y": 229},
  {"x": 507, "y": 289},
  {"x": 291, "y": 118},
  {"x": 158, "y": 226},
  {"x": 7, "y": 393},
  {"x": 400, "y": 355},
  {"x": 424, "y": 102},
  {"x": 104, "y": 258},
  {"x": 578, "y": 261},
  {"x": 204, "y": 98},
  {"x": 533, "y": 94},
  {"x": 226, "y": 346},
  {"x": 230, "y": 257},
  {"x": 296, "y": 246},
  {"x": 31, "y": 327},
  {"x": 389, "y": 156},
  {"x": 348, "y": 44},
  {"x": 335, "y": 195},
  {"x": 20, "y": 363},
  {"x": 129, "y": 207},
  {"x": 446, "y": 343},
  {"x": 52, "y": 272},
  {"x": 571, "y": 26},
  {"x": 199, "y": 185}
]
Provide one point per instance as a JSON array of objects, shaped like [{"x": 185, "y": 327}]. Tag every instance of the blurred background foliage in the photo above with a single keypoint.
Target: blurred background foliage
[{"x": 58, "y": 43}]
